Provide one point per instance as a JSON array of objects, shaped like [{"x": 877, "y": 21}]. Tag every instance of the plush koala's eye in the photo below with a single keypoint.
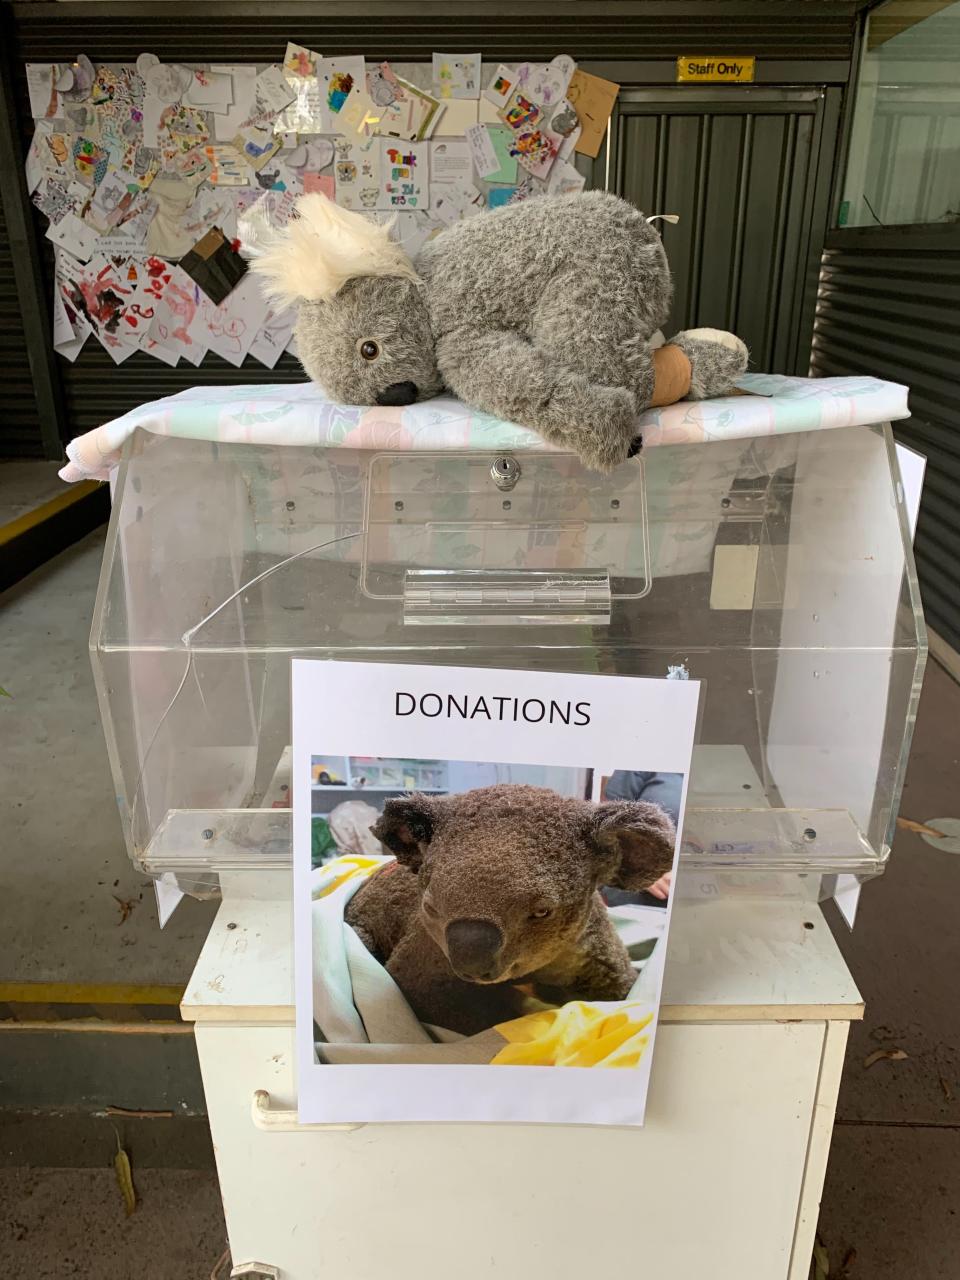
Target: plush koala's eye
[
  {"x": 541, "y": 914},
  {"x": 369, "y": 349}
]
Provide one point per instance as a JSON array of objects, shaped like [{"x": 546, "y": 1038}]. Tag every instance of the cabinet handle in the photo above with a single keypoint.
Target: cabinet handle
[{"x": 275, "y": 1121}]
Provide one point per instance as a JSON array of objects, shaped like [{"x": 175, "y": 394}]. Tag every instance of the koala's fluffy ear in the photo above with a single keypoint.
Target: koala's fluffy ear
[
  {"x": 319, "y": 250},
  {"x": 405, "y": 826},
  {"x": 637, "y": 839}
]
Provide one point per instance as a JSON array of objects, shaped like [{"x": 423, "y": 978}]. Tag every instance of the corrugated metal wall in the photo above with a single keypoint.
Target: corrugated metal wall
[
  {"x": 745, "y": 171},
  {"x": 19, "y": 433},
  {"x": 631, "y": 41},
  {"x": 895, "y": 312},
  {"x": 810, "y": 30}
]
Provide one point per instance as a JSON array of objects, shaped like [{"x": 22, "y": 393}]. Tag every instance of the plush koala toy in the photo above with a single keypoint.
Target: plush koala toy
[
  {"x": 498, "y": 886},
  {"x": 541, "y": 313}
]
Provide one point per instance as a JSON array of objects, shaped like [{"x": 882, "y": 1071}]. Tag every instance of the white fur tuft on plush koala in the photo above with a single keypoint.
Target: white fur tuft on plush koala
[
  {"x": 544, "y": 313},
  {"x": 322, "y": 248}
]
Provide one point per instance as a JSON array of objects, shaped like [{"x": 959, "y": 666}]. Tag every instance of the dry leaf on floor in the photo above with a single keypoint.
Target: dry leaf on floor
[
  {"x": 821, "y": 1262},
  {"x": 121, "y": 1163},
  {"x": 892, "y": 1055},
  {"x": 849, "y": 1259},
  {"x": 124, "y": 906},
  {"x": 223, "y": 1261},
  {"x": 921, "y": 828}
]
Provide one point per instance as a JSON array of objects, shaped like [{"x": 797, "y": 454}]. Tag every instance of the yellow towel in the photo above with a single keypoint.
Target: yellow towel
[
  {"x": 577, "y": 1035},
  {"x": 338, "y": 871}
]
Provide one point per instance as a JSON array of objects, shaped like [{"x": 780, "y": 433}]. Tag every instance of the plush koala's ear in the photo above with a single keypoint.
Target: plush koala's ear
[
  {"x": 319, "y": 250},
  {"x": 637, "y": 840},
  {"x": 405, "y": 825}
]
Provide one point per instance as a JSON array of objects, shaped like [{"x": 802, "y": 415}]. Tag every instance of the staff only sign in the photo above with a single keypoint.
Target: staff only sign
[{"x": 700, "y": 69}]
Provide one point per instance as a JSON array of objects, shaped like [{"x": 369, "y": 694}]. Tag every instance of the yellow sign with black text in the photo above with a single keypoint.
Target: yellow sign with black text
[{"x": 712, "y": 70}]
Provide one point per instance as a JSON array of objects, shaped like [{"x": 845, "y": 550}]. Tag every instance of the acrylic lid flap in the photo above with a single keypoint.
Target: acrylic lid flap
[{"x": 499, "y": 536}]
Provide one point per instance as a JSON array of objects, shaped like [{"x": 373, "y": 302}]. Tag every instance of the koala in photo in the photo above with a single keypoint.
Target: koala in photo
[
  {"x": 541, "y": 313},
  {"x": 499, "y": 886}
]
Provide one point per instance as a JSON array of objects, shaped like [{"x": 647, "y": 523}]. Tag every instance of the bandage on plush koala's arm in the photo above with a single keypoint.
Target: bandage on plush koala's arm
[{"x": 671, "y": 376}]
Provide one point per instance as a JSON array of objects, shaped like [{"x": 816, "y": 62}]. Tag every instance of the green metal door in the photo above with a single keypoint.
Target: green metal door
[{"x": 748, "y": 172}]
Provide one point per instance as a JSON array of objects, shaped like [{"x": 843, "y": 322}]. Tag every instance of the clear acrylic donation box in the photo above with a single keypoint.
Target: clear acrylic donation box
[{"x": 776, "y": 570}]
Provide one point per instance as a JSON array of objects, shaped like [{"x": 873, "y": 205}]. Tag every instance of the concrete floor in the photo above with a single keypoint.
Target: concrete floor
[
  {"x": 63, "y": 851},
  {"x": 25, "y": 484},
  {"x": 71, "y": 1222},
  {"x": 893, "y": 1183},
  {"x": 891, "y": 1205}
]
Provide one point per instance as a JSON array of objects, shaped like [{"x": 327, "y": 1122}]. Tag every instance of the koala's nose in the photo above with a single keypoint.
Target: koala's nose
[
  {"x": 472, "y": 946},
  {"x": 398, "y": 393}
]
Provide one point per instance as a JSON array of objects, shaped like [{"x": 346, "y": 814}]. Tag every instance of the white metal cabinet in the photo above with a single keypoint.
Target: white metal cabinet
[{"x": 723, "y": 1180}]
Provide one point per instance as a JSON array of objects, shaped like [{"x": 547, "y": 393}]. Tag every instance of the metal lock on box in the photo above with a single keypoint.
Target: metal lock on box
[{"x": 505, "y": 472}]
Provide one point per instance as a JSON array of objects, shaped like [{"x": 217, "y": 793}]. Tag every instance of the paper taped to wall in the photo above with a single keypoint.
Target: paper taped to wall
[{"x": 134, "y": 164}]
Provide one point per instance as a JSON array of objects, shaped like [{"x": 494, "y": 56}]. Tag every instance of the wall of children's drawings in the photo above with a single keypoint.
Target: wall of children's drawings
[{"x": 153, "y": 176}]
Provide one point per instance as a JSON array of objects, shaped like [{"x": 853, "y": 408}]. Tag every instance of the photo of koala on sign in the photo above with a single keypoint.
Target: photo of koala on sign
[
  {"x": 480, "y": 912},
  {"x": 489, "y": 905}
]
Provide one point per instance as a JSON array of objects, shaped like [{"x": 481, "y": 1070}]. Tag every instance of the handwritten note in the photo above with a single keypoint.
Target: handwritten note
[{"x": 404, "y": 176}]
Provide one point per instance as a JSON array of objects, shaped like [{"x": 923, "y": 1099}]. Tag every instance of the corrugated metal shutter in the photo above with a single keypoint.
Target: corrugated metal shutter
[
  {"x": 97, "y": 391},
  {"x": 617, "y": 34},
  {"x": 895, "y": 313},
  {"x": 785, "y": 29},
  {"x": 741, "y": 168},
  {"x": 19, "y": 429}
]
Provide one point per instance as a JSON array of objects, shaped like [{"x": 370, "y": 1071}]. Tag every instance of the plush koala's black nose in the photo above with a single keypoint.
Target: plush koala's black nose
[
  {"x": 472, "y": 946},
  {"x": 398, "y": 393}
]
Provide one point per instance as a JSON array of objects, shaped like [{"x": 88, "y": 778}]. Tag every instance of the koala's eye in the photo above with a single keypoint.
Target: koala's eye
[
  {"x": 369, "y": 349},
  {"x": 541, "y": 914}
]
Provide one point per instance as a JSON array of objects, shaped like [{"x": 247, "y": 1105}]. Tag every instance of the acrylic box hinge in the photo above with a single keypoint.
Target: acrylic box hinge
[{"x": 502, "y": 597}]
